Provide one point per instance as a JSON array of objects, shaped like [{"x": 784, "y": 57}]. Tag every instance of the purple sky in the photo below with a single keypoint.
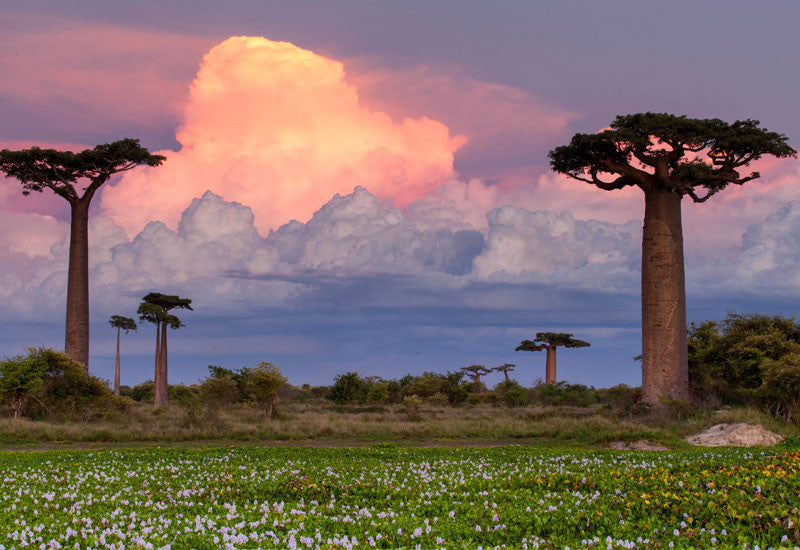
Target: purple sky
[{"x": 488, "y": 247}]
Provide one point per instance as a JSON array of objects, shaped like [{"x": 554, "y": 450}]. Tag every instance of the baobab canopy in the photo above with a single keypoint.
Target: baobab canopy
[
  {"x": 661, "y": 151},
  {"x": 544, "y": 339}
]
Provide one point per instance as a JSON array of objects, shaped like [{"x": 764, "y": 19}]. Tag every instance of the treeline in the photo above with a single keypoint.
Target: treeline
[
  {"x": 749, "y": 359},
  {"x": 743, "y": 360}
]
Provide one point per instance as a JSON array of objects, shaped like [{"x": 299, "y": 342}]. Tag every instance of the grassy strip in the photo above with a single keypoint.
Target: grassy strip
[{"x": 307, "y": 423}]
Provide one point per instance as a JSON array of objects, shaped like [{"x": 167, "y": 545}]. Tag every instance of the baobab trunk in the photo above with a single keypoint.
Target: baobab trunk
[
  {"x": 163, "y": 367},
  {"x": 116, "y": 370},
  {"x": 665, "y": 371},
  {"x": 157, "y": 375},
  {"x": 550, "y": 365},
  {"x": 76, "y": 342}
]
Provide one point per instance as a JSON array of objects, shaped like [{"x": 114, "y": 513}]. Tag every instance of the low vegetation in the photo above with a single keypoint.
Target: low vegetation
[
  {"x": 746, "y": 367},
  {"x": 394, "y": 497}
]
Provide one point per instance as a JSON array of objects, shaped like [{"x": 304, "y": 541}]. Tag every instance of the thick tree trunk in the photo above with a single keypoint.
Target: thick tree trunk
[
  {"x": 116, "y": 370},
  {"x": 665, "y": 371},
  {"x": 164, "y": 384},
  {"x": 550, "y": 365},
  {"x": 77, "y": 331},
  {"x": 157, "y": 374}
]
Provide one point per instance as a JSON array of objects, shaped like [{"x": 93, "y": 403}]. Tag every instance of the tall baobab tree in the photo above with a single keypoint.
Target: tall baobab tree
[
  {"x": 550, "y": 341},
  {"x": 474, "y": 372},
  {"x": 662, "y": 154},
  {"x": 120, "y": 322},
  {"x": 155, "y": 308},
  {"x": 505, "y": 369},
  {"x": 63, "y": 172}
]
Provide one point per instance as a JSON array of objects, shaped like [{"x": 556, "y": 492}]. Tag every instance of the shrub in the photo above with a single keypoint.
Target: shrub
[
  {"x": 143, "y": 392},
  {"x": 263, "y": 383},
  {"x": 563, "y": 394},
  {"x": 66, "y": 390},
  {"x": 726, "y": 357},
  {"x": 378, "y": 393},
  {"x": 20, "y": 377},
  {"x": 511, "y": 393},
  {"x": 780, "y": 389},
  {"x": 348, "y": 388},
  {"x": 623, "y": 401},
  {"x": 411, "y": 405},
  {"x": 438, "y": 399},
  {"x": 219, "y": 391}
]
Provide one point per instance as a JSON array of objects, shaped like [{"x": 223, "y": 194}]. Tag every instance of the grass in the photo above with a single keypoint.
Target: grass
[{"x": 326, "y": 424}]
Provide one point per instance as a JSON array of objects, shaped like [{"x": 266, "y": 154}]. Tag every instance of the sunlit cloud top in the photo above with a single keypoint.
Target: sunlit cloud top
[{"x": 280, "y": 129}]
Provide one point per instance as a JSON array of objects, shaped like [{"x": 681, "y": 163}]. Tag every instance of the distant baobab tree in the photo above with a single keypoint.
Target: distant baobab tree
[
  {"x": 155, "y": 308},
  {"x": 505, "y": 369},
  {"x": 660, "y": 154},
  {"x": 550, "y": 341},
  {"x": 120, "y": 323},
  {"x": 61, "y": 172},
  {"x": 474, "y": 372}
]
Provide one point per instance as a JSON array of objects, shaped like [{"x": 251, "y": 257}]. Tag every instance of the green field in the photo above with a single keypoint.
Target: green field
[{"x": 400, "y": 497}]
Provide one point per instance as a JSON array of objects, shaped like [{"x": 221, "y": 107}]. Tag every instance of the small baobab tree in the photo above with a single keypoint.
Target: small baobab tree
[
  {"x": 163, "y": 304},
  {"x": 120, "y": 323},
  {"x": 550, "y": 341},
  {"x": 505, "y": 369},
  {"x": 667, "y": 157},
  {"x": 474, "y": 373},
  {"x": 63, "y": 172}
]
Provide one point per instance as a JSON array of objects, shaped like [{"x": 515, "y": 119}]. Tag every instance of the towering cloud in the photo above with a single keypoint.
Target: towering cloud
[{"x": 278, "y": 128}]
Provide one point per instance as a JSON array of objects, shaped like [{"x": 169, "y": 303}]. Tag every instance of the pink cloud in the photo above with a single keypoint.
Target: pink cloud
[
  {"x": 280, "y": 129},
  {"x": 95, "y": 74},
  {"x": 505, "y": 125}
]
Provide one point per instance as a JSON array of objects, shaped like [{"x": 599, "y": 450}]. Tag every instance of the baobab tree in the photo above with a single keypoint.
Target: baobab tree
[
  {"x": 155, "y": 308},
  {"x": 505, "y": 369},
  {"x": 550, "y": 341},
  {"x": 475, "y": 372},
  {"x": 662, "y": 154},
  {"x": 63, "y": 172},
  {"x": 120, "y": 322}
]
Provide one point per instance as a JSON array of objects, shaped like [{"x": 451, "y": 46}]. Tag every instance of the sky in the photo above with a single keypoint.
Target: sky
[{"x": 364, "y": 186}]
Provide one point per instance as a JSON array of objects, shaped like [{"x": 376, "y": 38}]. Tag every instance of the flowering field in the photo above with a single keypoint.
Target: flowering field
[{"x": 390, "y": 497}]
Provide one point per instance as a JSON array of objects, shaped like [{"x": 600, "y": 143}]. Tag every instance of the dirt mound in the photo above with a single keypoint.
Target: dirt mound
[
  {"x": 740, "y": 434},
  {"x": 641, "y": 445}
]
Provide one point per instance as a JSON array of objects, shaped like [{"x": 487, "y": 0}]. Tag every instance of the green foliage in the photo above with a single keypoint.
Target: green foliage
[
  {"x": 378, "y": 393},
  {"x": 563, "y": 394},
  {"x": 263, "y": 383},
  {"x": 511, "y": 393},
  {"x": 623, "y": 401},
  {"x": 239, "y": 376},
  {"x": 54, "y": 386},
  {"x": 38, "y": 168},
  {"x": 143, "y": 392},
  {"x": 167, "y": 301},
  {"x": 780, "y": 390},
  {"x": 411, "y": 406},
  {"x": 348, "y": 388},
  {"x": 653, "y": 138},
  {"x": 20, "y": 377},
  {"x": 726, "y": 357},
  {"x": 544, "y": 339},
  {"x": 219, "y": 391},
  {"x": 123, "y": 323}
]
